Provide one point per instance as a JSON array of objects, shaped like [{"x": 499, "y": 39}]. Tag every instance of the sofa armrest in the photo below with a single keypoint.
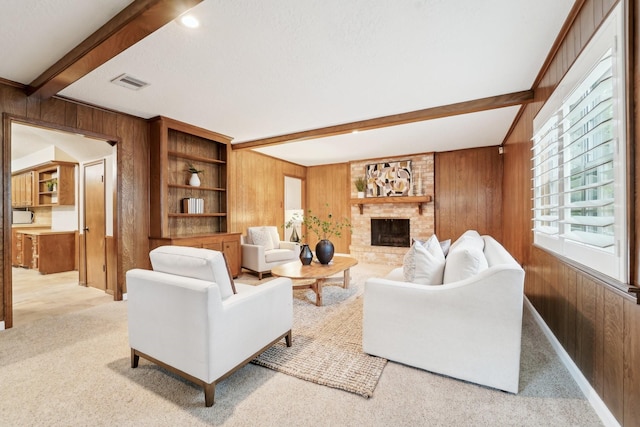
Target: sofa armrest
[
  {"x": 490, "y": 294},
  {"x": 253, "y": 257},
  {"x": 161, "y": 307},
  {"x": 250, "y": 320},
  {"x": 470, "y": 329},
  {"x": 294, "y": 246}
]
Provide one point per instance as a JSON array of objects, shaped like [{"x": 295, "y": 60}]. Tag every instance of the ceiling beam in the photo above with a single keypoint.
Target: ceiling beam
[
  {"x": 132, "y": 24},
  {"x": 490, "y": 103}
]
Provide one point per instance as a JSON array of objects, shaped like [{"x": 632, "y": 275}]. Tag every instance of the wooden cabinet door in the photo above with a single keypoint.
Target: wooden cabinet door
[
  {"x": 28, "y": 260},
  {"x": 16, "y": 248},
  {"x": 231, "y": 249},
  {"x": 28, "y": 189},
  {"x": 214, "y": 246},
  {"x": 14, "y": 191},
  {"x": 54, "y": 253}
]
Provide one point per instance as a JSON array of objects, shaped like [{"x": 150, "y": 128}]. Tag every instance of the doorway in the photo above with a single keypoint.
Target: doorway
[
  {"x": 95, "y": 255},
  {"x": 36, "y": 143},
  {"x": 293, "y": 208}
]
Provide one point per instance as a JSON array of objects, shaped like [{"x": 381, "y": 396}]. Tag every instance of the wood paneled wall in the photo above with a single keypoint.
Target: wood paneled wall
[
  {"x": 329, "y": 191},
  {"x": 598, "y": 325},
  {"x": 131, "y": 135},
  {"x": 468, "y": 187},
  {"x": 256, "y": 189}
]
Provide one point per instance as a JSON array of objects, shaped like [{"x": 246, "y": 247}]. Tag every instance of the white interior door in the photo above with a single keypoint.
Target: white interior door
[{"x": 292, "y": 203}]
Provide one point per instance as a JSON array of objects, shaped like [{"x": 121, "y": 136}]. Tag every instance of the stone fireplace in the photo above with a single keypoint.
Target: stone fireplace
[{"x": 420, "y": 216}]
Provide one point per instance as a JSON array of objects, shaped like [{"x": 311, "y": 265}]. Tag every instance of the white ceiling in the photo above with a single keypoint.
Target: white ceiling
[
  {"x": 256, "y": 69},
  {"x": 27, "y": 140}
]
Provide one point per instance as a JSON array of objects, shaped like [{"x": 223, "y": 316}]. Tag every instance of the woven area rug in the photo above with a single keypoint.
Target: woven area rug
[{"x": 327, "y": 343}]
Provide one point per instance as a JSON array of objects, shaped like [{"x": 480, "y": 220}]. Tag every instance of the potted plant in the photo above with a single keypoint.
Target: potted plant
[
  {"x": 324, "y": 229},
  {"x": 52, "y": 184},
  {"x": 360, "y": 184},
  {"x": 194, "y": 181}
]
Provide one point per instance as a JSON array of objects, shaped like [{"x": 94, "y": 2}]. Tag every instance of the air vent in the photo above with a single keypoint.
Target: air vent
[{"x": 125, "y": 80}]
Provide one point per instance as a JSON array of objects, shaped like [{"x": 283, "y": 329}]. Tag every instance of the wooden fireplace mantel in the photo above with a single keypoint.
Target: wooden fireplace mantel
[{"x": 419, "y": 200}]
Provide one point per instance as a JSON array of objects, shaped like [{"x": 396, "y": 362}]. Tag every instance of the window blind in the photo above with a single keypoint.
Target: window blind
[{"x": 578, "y": 160}]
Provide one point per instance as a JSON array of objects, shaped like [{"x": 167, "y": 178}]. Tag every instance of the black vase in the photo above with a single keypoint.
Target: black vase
[
  {"x": 324, "y": 251},
  {"x": 305, "y": 255}
]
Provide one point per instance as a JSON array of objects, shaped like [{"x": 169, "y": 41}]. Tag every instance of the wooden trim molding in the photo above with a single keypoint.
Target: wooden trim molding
[
  {"x": 132, "y": 24},
  {"x": 474, "y": 106},
  {"x": 419, "y": 200}
]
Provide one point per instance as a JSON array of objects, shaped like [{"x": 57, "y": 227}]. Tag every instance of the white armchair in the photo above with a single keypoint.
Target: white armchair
[
  {"x": 190, "y": 318},
  {"x": 262, "y": 250}
]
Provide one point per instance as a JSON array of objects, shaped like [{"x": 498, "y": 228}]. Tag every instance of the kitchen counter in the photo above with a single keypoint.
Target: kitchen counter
[
  {"x": 45, "y": 231},
  {"x": 43, "y": 249}
]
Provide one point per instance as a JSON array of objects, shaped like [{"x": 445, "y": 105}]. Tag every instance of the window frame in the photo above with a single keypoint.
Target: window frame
[{"x": 613, "y": 263}]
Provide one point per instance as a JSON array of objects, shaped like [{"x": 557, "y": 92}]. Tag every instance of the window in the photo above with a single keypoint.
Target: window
[{"x": 579, "y": 171}]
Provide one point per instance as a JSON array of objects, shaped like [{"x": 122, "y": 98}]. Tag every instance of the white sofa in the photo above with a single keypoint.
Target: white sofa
[
  {"x": 262, "y": 250},
  {"x": 189, "y": 317},
  {"x": 468, "y": 329}
]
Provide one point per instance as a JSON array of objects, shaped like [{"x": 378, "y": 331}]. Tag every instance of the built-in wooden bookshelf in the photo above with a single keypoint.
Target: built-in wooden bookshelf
[
  {"x": 174, "y": 147},
  {"x": 56, "y": 184}
]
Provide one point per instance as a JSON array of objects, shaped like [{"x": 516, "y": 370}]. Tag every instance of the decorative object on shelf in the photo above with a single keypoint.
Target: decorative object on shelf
[
  {"x": 192, "y": 205},
  {"x": 324, "y": 251},
  {"x": 361, "y": 184},
  {"x": 389, "y": 179},
  {"x": 52, "y": 184},
  {"x": 306, "y": 256},
  {"x": 194, "y": 181}
]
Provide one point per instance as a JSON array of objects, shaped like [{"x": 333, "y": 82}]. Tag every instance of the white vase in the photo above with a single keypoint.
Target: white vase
[
  {"x": 360, "y": 194},
  {"x": 194, "y": 181}
]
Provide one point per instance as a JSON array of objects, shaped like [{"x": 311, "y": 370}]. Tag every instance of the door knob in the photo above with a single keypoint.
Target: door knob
[{"x": 86, "y": 229}]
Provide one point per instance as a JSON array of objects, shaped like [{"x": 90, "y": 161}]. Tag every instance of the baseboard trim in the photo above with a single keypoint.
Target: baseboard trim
[{"x": 598, "y": 405}]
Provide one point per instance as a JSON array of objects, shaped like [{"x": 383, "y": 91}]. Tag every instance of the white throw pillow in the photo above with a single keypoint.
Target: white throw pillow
[
  {"x": 424, "y": 262},
  {"x": 261, "y": 237},
  {"x": 465, "y": 259},
  {"x": 445, "y": 245},
  {"x": 471, "y": 237}
]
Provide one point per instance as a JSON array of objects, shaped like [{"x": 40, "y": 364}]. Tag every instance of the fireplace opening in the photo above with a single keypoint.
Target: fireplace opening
[{"x": 390, "y": 232}]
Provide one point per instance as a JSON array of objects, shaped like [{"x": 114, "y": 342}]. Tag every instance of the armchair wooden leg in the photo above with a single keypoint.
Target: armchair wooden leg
[
  {"x": 287, "y": 339},
  {"x": 209, "y": 393},
  {"x": 259, "y": 276},
  {"x": 134, "y": 359}
]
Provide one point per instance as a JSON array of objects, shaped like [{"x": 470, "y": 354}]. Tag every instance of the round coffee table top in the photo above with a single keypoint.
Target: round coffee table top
[{"x": 295, "y": 269}]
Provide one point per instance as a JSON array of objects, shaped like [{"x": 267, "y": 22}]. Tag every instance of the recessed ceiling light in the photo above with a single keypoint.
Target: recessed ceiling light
[{"x": 188, "y": 21}]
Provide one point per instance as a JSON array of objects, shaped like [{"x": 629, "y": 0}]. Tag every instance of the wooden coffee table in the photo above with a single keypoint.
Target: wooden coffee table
[{"x": 316, "y": 272}]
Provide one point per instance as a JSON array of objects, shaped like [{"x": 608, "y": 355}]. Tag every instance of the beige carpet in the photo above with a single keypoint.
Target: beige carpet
[{"x": 73, "y": 370}]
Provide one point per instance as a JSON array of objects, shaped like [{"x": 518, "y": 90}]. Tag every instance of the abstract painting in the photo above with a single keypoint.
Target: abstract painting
[{"x": 389, "y": 179}]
